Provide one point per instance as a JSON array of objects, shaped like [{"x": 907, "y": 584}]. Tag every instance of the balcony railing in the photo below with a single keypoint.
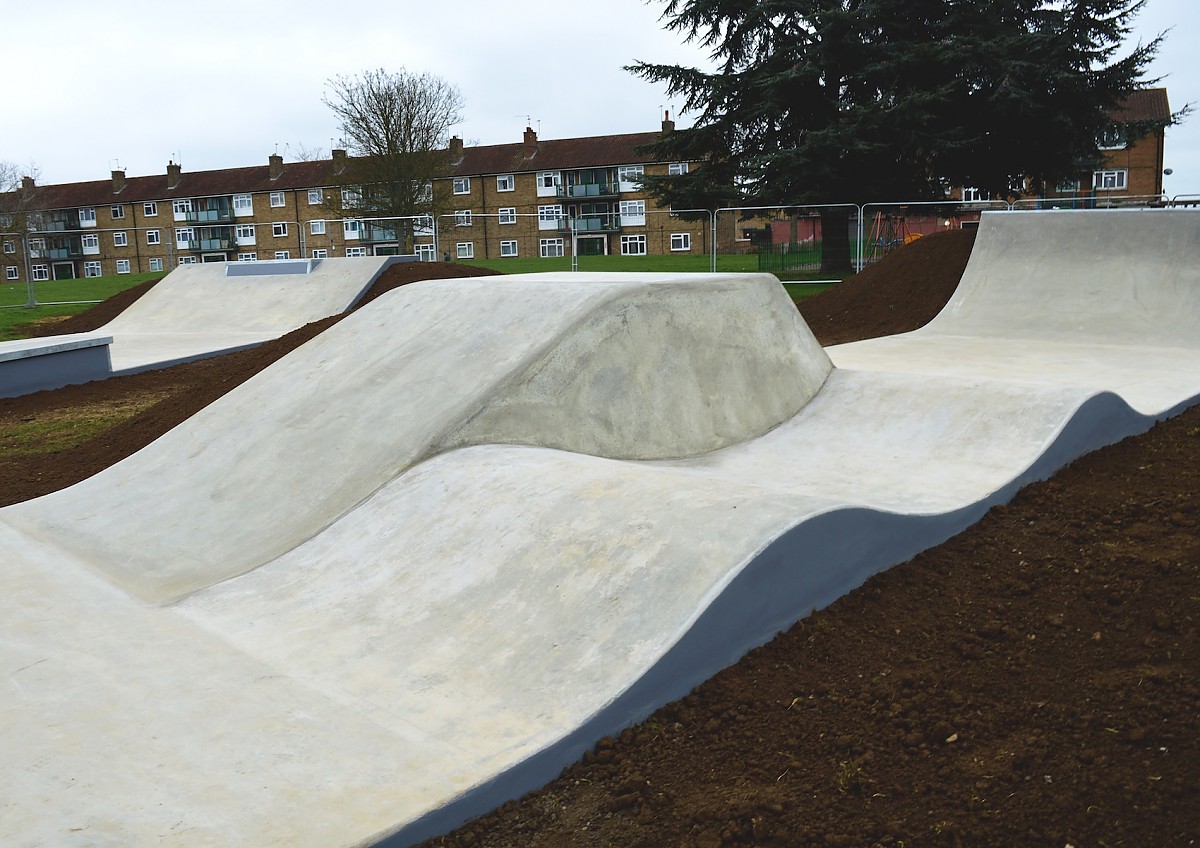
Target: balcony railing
[
  {"x": 210, "y": 244},
  {"x": 605, "y": 223},
  {"x": 375, "y": 232},
  {"x": 210, "y": 216},
  {"x": 569, "y": 192}
]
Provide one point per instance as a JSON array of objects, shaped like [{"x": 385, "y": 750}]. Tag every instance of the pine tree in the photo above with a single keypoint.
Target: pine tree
[{"x": 834, "y": 101}]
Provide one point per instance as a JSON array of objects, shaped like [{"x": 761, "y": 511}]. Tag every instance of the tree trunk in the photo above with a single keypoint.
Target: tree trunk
[{"x": 835, "y": 240}]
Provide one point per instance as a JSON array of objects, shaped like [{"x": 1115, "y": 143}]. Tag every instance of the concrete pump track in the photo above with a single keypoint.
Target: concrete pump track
[{"x": 252, "y": 631}]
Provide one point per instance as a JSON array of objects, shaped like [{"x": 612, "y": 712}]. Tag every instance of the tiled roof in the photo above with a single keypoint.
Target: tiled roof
[
  {"x": 555, "y": 154},
  {"x": 1144, "y": 104}
]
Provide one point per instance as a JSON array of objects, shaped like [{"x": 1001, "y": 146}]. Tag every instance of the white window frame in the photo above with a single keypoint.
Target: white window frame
[
  {"x": 356, "y": 251},
  {"x": 12, "y": 272},
  {"x": 150, "y": 209},
  {"x": 423, "y": 225},
  {"x": 1068, "y": 185},
  {"x": 549, "y": 215},
  {"x": 633, "y": 213},
  {"x": 351, "y": 197},
  {"x": 633, "y": 245},
  {"x": 506, "y": 182},
  {"x": 508, "y": 247},
  {"x": 122, "y": 266},
  {"x": 189, "y": 260},
  {"x": 279, "y": 229},
  {"x": 465, "y": 250},
  {"x": 548, "y": 183},
  {"x": 117, "y": 213},
  {"x": 243, "y": 205},
  {"x": 120, "y": 239},
  {"x": 247, "y": 257},
  {"x": 1114, "y": 137},
  {"x": 39, "y": 273},
  {"x": 93, "y": 268},
  {"x": 676, "y": 169},
  {"x": 425, "y": 252},
  {"x": 10, "y": 247},
  {"x": 182, "y": 208},
  {"x": 461, "y": 185},
  {"x": 681, "y": 241},
  {"x": 351, "y": 229},
  {"x": 283, "y": 254},
  {"x": 316, "y": 227},
  {"x": 550, "y": 248},
  {"x": 244, "y": 234},
  {"x": 89, "y": 243},
  {"x": 278, "y": 199},
  {"x": 1119, "y": 179},
  {"x": 87, "y": 216},
  {"x": 320, "y": 253},
  {"x": 971, "y": 194},
  {"x": 153, "y": 236},
  {"x": 507, "y": 214},
  {"x": 629, "y": 177},
  {"x": 463, "y": 218},
  {"x": 316, "y": 196},
  {"x": 156, "y": 263},
  {"x": 184, "y": 235}
]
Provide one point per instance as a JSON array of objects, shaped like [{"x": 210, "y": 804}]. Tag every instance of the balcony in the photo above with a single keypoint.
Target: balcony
[
  {"x": 606, "y": 223},
  {"x": 223, "y": 243},
  {"x": 372, "y": 232},
  {"x": 223, "y": 215},
  {"x": 584, "y": 190}
]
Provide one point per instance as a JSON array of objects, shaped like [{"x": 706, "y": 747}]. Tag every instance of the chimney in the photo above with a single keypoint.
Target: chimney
[
  {"x": 456, "y": 149},
  {"x": 118, "y": 181},
  {"x": 531, "y": 142},
  {"x": 27, "y": 183},
  {"x": 667, "y": 125},
  {"x": 339, "y": 161},
  {"x": 276, "y": 162},
  {"x": 174, "y": 174}
]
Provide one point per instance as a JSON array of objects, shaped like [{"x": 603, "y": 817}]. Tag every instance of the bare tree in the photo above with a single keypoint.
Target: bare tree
[{"x": 396, "y": 127}]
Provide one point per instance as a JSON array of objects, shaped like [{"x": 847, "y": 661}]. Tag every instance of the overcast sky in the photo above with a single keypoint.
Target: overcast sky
[{"x": 136, "y": 83}]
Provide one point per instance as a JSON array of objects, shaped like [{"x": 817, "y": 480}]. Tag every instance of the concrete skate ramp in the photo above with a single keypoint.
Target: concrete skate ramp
[{"x": 484, "y": 596}]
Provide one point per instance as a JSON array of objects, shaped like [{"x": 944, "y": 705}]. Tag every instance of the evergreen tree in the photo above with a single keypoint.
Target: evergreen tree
[{"x": 833, "y": 101}]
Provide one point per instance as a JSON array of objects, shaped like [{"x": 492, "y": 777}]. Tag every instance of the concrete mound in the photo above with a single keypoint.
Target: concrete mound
[{"x": 422, "y": 563}]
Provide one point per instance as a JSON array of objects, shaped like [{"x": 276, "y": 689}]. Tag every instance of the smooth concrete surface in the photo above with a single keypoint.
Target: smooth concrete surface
[
  {"x": 31, "y": 365},
  {"x": 206, "y": 309},
  {"x": 420, "y": 587}
]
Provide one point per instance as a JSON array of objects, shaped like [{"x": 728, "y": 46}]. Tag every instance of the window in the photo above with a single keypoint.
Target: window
[
  {"x": 315, "y": 196},
  {"x": 970, "y": 194},
  {"x": 508, "y": 248},
  {"x": 350, "y": 229},
  {"x": 508, "y": 214},
  {"x": 283, "y": 254},
  {"x": 120, "y": 239},
  {"x": 356, "y": 251},
  {"x": 506, "y": 182},
  {"x": 87, "y": 218},
  {"x": 122, "y": 266},
  {"x": 10, "y": 247},
  {"x": 156, "y": 263},
  {"x": 316, "y": 228},
  {"x": 423, "y": 225},
  {"x": 549, "y": 248},
  {"x": 425, "y": 253},
  {"x": 182, "y": 208},
  {"x": 462, "y": 218},
  {"x": 153, "y": 237},
  {"x": 681, "y": 241},
  {"x": 117, "y": 213},
  {"x": 548, "y": 183},
  {"x": 351, "y": 197},
  {"x": 11, "y": 272},
  {"x": 465, "y": 250},
  {"x": 320, "y": 253},
  {"x": 462, "y": 185},
  {"x": 183, "y": 236},
  {"x": 1110, "y": 180},
  {"x": 243, "y": 204},
  {"x": 1112, "y": 137},
  {"x": 244, "y": 234},
  {"x": 677, "y": 168},
  {"x": 91, "y": 269},
  {"x": 37, "y": 247},
  {"x": 630, "y": 177},
  {"x": 247, "y": 257},
  {"x": 1068, "y": 185},
  {"x": 279, "y": 229},
  {"x": 549, "y": 215},
  {"x": 41, "y": 273},
  {"x": 188, "y": 260},
  {"x": 633, "y": 245},
  {"x": 150, "y": 210},
  {"x": 90, "y": 243},
  {"x": 633, "y": 213},
  {"x": 276, "y": 199}
]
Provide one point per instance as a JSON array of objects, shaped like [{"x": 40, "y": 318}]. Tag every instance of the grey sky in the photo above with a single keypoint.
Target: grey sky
[{"x": 135, "y": 83}]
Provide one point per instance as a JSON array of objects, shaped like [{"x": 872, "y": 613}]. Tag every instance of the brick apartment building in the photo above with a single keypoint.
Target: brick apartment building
[{"x": 535, "y": 198}]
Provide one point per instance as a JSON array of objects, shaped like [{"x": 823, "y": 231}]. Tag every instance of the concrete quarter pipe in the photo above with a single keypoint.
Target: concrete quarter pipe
[{"x": 417, "y": 566}]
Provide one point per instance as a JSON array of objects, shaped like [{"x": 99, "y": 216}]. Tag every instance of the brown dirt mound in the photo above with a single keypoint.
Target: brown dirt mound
[
  {"x": 1034, "y": 681},
  {"x": 900, "y": 293}
]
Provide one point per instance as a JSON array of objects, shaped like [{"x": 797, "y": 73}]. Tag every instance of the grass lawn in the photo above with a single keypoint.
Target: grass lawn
[{"x": 14, "y": 296}]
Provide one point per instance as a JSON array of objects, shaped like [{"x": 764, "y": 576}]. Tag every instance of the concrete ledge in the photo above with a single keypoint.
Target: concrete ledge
[{"x": 34, "y": 365}]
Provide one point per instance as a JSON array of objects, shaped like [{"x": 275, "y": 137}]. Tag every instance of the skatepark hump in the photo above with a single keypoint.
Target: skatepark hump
[{"x": 414, "y": 568}]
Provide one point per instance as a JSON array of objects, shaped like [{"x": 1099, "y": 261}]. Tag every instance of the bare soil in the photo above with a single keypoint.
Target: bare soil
[{"x": 1034, "y": 681}]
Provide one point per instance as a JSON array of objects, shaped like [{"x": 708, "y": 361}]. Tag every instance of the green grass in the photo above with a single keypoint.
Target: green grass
[
  {"x": 692, "y": 263},
  {"x": 14, "y": 296}
]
